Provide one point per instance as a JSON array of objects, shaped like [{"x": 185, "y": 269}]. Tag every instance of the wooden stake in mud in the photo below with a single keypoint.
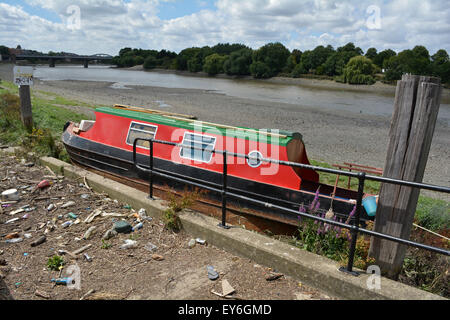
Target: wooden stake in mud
[
  {"x": 416, "y": 107},
  {"x": 25, "y": 107}
]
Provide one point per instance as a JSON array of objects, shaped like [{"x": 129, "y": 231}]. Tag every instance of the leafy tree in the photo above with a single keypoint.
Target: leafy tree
[
  {"x": 239, "y": 62},
  {"x": 441, "y": 65},
  {"x": 150, "y": 63},
  {"x": 195, "y": 64},
  {"x": 319, "y": 55},
  {"x": 272, "y": 56},
  {"x": 359, "y": 70},
  {"x": 371, "y": 54},
  {"x": 299, "y": 70},
  {"x": 214, "y": 64},
  {"x": 227, "y": 49},
  {"x": 4, "y": 51},
  {"x": 260, "y": 70},
  {"x": 382, "y": 56}
]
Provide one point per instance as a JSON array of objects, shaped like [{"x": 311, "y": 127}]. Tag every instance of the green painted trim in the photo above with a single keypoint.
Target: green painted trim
[{"x": 154, "y": 118}]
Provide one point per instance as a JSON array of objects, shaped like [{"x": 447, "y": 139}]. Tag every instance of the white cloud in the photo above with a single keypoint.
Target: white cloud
[{"x": 108, "y": 25}]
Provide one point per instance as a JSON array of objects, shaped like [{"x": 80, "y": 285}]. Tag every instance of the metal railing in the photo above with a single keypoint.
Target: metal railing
[{"x": 225, "y": 193}]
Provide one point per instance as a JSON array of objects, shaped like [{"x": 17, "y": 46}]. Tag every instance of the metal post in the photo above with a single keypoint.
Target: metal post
[
  {"x": 351, "y": 255},
  {"x": 151, "y": 170},
  {"x": 224, "y": 192}
]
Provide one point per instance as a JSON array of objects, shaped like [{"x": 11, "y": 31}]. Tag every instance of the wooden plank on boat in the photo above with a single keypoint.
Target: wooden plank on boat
[
  {"x": 152, "y": 111},
  {"x": 416, "y": 108},
  {"x": 189, "y": 118}
]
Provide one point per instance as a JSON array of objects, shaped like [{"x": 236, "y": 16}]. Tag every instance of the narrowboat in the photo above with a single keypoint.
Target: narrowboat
[{"x": 106, "y": 144}]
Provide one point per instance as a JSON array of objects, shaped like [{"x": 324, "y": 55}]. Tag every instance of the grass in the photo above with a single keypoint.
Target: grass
[{"x": 48, "y": 121}]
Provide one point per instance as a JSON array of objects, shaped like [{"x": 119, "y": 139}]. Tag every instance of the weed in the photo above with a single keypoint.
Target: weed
[
  {"x": 106, "y": 245},
  {"x": 55, "y": 263},
  {"x": 176, "y": 205}
]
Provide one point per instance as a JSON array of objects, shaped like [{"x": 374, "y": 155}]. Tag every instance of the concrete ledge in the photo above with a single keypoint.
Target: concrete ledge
[{"x": 314, "y": 270}]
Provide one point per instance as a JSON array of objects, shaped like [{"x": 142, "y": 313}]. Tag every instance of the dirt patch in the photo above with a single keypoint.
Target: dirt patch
[{"x": 113, "y": 273}]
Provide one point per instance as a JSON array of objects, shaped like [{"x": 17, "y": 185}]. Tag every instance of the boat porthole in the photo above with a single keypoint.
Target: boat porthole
[{"x": 254, "y": 163}]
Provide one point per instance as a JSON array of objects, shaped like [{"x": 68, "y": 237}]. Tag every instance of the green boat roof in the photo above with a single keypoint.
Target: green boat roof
[{"x": 238, "y": 132}]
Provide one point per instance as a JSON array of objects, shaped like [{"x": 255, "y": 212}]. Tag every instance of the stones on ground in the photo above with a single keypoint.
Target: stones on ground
[
  {"x": 109, "y": 234},
  {"x": 157, "y": 257},
  {"x": 122, "y": 226},
  {"x": 212, "y": 274}
]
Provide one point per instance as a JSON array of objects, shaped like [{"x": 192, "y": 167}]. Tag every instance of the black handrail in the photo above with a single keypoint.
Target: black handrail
[{"x": 224, "y": 191}]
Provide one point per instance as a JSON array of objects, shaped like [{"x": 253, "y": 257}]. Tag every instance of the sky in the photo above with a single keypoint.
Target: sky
[{"x": 106, "y": 26}]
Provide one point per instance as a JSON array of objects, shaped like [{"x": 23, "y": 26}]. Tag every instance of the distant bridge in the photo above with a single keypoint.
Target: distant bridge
[{"x": 52, "y": 59}]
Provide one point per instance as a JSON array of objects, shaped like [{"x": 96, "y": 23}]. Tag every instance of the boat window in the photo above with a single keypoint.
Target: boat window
[
  {"x": 143, "y": 131},
  {"x": 200, "y": 147},
  {"x": 254, "y": 163}
]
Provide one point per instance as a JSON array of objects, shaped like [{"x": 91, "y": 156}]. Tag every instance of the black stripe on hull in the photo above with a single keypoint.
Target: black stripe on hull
[{"x": 120, "y": 162}]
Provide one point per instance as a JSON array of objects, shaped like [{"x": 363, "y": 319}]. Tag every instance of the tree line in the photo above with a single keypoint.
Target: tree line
[{"x": 347, "y": 64}]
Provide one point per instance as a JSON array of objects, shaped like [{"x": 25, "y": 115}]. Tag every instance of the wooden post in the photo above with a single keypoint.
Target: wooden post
[
  {"x": 416, "y": 107},
  {"x": 25, "y": 107}
]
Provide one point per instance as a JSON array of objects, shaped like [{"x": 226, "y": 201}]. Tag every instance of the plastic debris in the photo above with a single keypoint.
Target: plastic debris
[
  {"x": 16, "y": 211},
  {"x": 87, "y": 257},
  {"x": 89, "y": 232},
  {"x": 51, "y": 207},
  {"x": 84, "y": 196},
  {"x": 10, "y": 195},
  {"x": 82, "y": 249},
  {"x": 227, "y": 289},
  {"x": 68, "y": 204},
  {"x": 12, "y": 220},
  {"x": 63, "y": 281},
  {"x": 129, "y": 244},
  {"x": 27, "y": 235},
  {"x": 38, "y": 241},
  {"x": 44, "y": 184},
  {"x": 91, "y": 216},
  {"x": 15, "y": 240},
  {"x": 12, "y": 235},
  {"x": 122, "y": 227},
  {"x": 66, "y": 224},
  {"x": 138, "y": 226},
  {"x": 72, "y": 215},
  {"x": 212, "y": 274},
  {"x": 150, "y": 246},
  {"x": 191, "y": 243},
  {"x": 200, "y": 241}
]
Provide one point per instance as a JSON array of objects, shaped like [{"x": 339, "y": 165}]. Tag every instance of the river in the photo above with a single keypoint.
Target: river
[{"x": 358, "y": 102}]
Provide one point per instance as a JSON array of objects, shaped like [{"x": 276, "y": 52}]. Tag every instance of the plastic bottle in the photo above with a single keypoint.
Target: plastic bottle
[
  {"x": 66, "y": 224},
  {"x": 138, "y": 226},
  {"x": 63, "y": 281},
  {"x": 15, "y": 240}
]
